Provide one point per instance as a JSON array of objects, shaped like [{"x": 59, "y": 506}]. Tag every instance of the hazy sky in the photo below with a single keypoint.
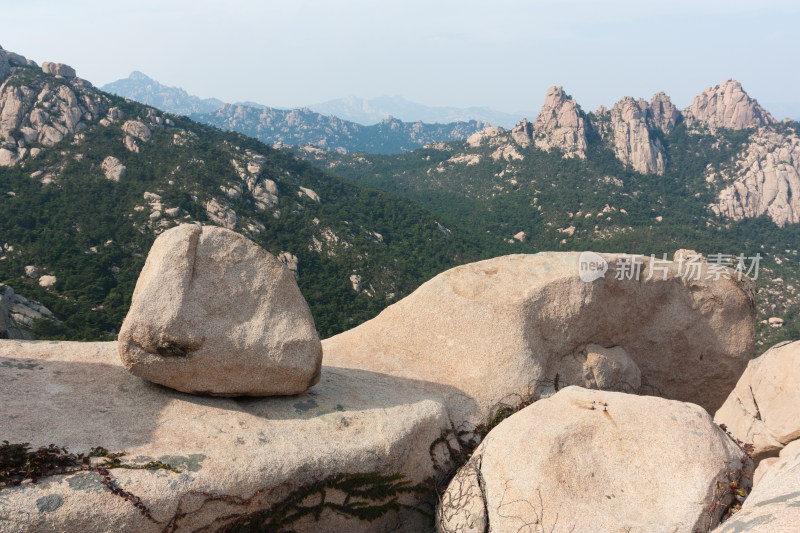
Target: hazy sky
[{"x": 496, "y": 53}]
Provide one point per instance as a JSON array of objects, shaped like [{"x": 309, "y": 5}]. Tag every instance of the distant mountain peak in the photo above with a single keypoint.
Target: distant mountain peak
[
  {"x": 140, "y": 76},
  {"x": 142, "y": 88}
]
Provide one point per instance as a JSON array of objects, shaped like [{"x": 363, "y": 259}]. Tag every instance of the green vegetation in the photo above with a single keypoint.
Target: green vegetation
[
  {"x": 393, "y": 220},
  {"x": 86, "y": 230},
  {"x": 609, "y": 207}
]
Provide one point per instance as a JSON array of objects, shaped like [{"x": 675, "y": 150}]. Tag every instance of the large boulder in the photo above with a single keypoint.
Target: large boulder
[
  {"x": 763, "y": 408},
  {"x": 523, "y": 325},
  {"x": 214, "y": 313},
  {"x": 256, "y": 464},
  {"x": 774, "y": 504},
  {"x": 588, "y": 460}
]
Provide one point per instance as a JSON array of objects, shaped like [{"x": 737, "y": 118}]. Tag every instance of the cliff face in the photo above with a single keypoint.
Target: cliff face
[
  {"x": 766, "y": 179},
  {"x": 727, "y": 106},
  {"x": 630, "y": 137}
]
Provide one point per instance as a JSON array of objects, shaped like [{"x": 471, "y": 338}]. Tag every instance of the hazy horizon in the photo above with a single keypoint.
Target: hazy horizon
[{"x": 501, "y": 56}]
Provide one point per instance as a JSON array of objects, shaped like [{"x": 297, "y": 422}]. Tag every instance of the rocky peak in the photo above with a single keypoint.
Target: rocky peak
[
  {"x": 560, "y": 124},
  {"x": 663, "y": 113},
  {"x": 630, "y": 138},
  {"x": 727, "y": 106}
]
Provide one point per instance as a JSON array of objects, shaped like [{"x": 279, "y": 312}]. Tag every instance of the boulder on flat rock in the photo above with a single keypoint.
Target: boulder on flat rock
[
  {"x": 588, "y": 460},
  {"x": 244, "y": 464},
  {"x": 522, "y": 325},
  {"x": 214, "y": 313},
  {"x": 774, "y": 504},
  {"x": 763, "y": 409}
]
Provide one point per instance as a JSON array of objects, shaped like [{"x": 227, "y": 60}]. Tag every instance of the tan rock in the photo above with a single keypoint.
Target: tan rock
[
  {"x": 58, "y": 69},
  {"x": 664, "y": 113},
  {"x": 490, "y": 135},
  {"x": 306, "y": 193},
  {"x": 239, "y": 460},
  {"x": 583, "y": 460},
  {"x": 290, "y": 260},
  {"x": 560, "y": 124},
  {"x": 507, "y": 327},
  {"x": 631, "y": 140},
  {"x": 766, "y": 179},
  {"x": 137, "y": 129},
  {"x": 522, "y": 133},
  {"x": 47, "y": 281},
  {"x": 727, "y": 106},
  {"x": 774, "y": 504},
  {"x": 213, "y": 313},
  {"x": 763, "y": 408},
  {"x": 113, "y": 168},
  {"x": 41, "y": 111},
  {"x": 762, "y": 468},
  {"x": 221, "y": 214}
]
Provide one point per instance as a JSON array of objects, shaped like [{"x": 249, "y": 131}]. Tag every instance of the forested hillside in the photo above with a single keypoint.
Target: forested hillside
[
  {"x": 86, "y": 205},
  {"x": 534, "y": 200}
]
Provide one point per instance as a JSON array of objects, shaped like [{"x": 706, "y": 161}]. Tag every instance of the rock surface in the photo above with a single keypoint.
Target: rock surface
[
  {"x": 221, "y": 213},
  {"x": 238, "y": 458},
  {"x": 42, "y": 113},
  {"x": 113, "y": 168},
  {"x": 631, "y": 138},
  {"x": 213, "y": 313},
  {"x": 727, "y": 106},
  {"x": 766, "y": 179},
  {"x": 58, "y": 69},
  {"x": 509, "y": 327},
  {"x": 663, "y": 113},
  {"x": 763, "y": 408},
  {"x": 774, "y": 504},
  {"x": 560, "y": 124},
  {"x": 586, "y": 460}
]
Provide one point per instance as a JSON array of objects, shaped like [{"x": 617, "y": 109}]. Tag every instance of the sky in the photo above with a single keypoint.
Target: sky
[{"x": 502, "y": 54}]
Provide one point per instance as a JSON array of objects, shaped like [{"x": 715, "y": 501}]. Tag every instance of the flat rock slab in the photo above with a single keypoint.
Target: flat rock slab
[{"x": 237, "y": 456}]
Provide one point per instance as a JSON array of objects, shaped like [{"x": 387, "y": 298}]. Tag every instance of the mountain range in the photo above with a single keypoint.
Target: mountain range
[
  {"x": 304, "y": 126},
  {"x": 372, "y": 110},
  {"x": 89, "y": 179}
]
